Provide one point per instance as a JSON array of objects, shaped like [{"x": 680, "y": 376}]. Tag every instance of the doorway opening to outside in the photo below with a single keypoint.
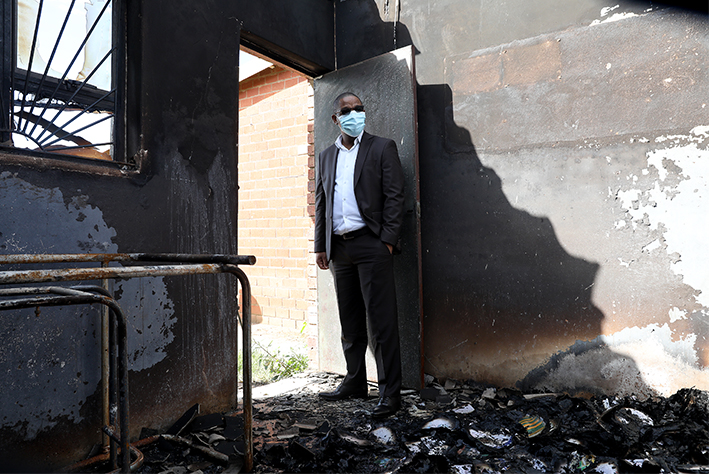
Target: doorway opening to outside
[{"x": 277, "y": 202}]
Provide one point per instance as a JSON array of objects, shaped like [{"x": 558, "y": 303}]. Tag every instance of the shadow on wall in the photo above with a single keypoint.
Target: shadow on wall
[{"x": 504, "y": 303}]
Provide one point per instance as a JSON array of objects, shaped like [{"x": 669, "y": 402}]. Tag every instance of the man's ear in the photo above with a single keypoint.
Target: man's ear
[{"x": 334, "y": 118}]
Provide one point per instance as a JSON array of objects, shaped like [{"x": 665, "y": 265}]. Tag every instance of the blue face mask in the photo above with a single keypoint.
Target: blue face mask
[{"x": 352, "y": 124}]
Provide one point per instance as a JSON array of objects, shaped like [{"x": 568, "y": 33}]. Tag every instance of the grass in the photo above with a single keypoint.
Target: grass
[{"x": 269, "y": 365}]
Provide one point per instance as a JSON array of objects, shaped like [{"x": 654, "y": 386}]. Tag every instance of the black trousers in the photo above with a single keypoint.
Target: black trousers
[{"x": 366, "y": 295}]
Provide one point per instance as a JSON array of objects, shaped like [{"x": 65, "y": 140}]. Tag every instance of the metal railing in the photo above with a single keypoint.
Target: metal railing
[{"x": 168, "y": 264}]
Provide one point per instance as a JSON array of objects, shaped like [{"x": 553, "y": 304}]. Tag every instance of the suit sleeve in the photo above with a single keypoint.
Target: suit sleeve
[
  {"x": 393, "y": 191},
  {"x": 319, "y": 209}
]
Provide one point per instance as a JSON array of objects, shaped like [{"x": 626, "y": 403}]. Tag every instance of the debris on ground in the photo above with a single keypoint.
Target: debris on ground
[
  {"x": 196, "y": 444},
  {"x": 457, "y": 427}
]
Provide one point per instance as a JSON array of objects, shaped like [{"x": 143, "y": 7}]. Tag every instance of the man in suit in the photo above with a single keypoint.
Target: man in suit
[{"x": 358, "y": 215}]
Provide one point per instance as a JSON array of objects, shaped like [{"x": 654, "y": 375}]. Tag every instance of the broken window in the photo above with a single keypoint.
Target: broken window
[{"x": 59, "y": 94}]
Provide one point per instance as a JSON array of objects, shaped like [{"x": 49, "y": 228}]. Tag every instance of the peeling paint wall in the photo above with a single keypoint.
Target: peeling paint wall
[
  {"x": 588, "y": 150},
  {"x": 563, "y": 155},
  {"x": 664, "y": 206},
  {"x": 60, "y": 343},
  {"x": 670, "y": 198}
]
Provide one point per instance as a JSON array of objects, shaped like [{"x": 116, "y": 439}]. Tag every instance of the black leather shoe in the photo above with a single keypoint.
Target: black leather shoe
[
  {"x": 387, "y": 406},
  {"x": 343, "y": 393}
]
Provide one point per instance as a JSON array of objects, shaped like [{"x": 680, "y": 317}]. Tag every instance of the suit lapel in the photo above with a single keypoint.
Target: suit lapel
[
  {"x": 331, "y": 172},
  {"x": 362, "y": 155}
]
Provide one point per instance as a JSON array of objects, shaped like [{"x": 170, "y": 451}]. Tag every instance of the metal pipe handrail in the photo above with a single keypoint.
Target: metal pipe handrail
[
  {"x": 193, "y": 264},
  {"x": 127, "y": 257},
  {"x": 99, "y": 273},
  {"x": 42, "y": 296},
  {"x": 247, "y": 373}
]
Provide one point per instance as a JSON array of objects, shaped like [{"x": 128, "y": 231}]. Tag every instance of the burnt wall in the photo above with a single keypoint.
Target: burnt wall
[
  {"x": 182, "y": 330},
  {"x": 563, "y": 163},
  {"x": 298, "y": 34},
  {"x": 181, "y": 196}
]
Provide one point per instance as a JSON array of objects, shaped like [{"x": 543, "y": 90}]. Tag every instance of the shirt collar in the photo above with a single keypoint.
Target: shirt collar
[{"x": 339, "y": 144}]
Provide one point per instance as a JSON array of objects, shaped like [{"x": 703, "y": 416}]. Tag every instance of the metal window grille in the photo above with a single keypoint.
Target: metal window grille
[{"x": 59, "y": 91}]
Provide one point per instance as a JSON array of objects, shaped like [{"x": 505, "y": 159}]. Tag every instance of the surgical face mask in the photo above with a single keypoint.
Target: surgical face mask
[{"x": 352, "y": 124}]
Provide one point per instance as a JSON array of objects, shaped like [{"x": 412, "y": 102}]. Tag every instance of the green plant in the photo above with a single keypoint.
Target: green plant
[
  {"x": 268, "y": 365},
  {"x": 284, "y": 366}
]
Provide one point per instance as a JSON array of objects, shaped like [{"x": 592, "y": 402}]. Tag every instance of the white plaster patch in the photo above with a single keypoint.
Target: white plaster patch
[
  {"x": 676, "y": 314},
  {"x": 606, "y": 10},
  {"x": 670, "y": 138},
  {"x": 682, "y": 349},
  {"x": 627, "y": 198},
  {"x": 615, "y": 17},
  {"x": 655, "y": 160},
  {"x": 684, "y": 216},
  {"x": 702, "y": 131},
  {"x": 678, "y": 204},
  {"x": 655, "y": 244},
  {"x": 620, "y": 16}
]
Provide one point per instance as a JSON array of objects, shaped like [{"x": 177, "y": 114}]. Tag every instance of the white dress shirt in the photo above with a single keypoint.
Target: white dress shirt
[{"x": 345, "y": 212}]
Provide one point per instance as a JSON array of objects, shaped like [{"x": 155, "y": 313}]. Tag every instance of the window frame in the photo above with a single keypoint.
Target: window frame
[{"x": 125, "y": 155}]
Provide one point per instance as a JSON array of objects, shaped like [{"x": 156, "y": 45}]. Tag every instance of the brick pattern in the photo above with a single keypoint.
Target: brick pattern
[{"x": 276, "y": 172}]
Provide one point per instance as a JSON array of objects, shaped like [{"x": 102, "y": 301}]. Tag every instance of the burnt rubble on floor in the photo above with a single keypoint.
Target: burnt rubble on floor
[
  {"x": 458, "y": 427},
  {"x": 196, "y": 444}
]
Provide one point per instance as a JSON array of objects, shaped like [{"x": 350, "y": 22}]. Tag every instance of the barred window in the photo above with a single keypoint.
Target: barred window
[{"x": 59, "y": 92}]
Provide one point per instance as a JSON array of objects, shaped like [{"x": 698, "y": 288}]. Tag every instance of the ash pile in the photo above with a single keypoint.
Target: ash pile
[{"x": 464, "y": 427}]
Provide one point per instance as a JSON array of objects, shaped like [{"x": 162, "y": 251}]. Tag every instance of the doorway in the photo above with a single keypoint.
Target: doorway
[{"x": 277, "y": 198}]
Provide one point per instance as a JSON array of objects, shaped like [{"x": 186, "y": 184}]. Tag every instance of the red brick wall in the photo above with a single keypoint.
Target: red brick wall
[{"x": 275, "y": 222}]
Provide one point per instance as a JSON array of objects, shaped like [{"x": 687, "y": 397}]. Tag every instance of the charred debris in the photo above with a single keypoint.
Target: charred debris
[{"x": 455, "y": 427}]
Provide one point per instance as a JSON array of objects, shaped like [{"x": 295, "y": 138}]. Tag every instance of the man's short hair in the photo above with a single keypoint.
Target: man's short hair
[{"x": 336, "y": 103}]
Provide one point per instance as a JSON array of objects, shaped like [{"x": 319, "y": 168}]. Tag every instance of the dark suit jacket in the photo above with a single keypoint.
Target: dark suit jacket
[{"x": 378, "y": 186}]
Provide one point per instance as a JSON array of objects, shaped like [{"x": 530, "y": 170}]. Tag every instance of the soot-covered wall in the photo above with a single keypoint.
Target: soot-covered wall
[
  {"x": 183, "y": 74},
  {"x": 564, "y": 154},
  {"x": 182, "y": 330},
  {"x": 183, "y": 111}
]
